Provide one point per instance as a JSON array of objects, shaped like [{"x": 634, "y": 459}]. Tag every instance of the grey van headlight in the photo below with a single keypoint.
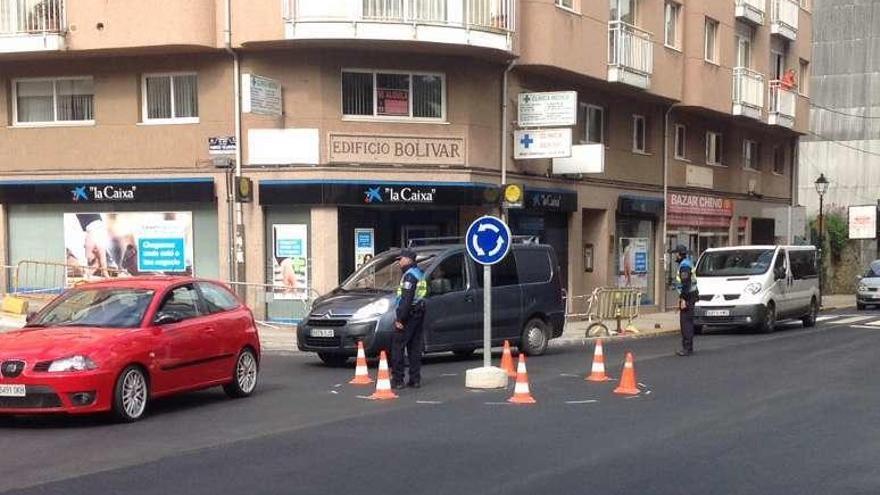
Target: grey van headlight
[
  {"x": 754, "y": 287},
  {"x": 375, "y": 308}
]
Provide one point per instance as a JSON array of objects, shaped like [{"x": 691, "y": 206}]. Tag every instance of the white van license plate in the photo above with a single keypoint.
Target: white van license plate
[
  {"x": 323, "y": 332},
  {"x": 12, "y": 391},
  {"x": 717, "y": 312}
]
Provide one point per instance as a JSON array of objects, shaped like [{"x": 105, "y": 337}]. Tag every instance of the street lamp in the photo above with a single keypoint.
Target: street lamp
[{"x": 821, "y": 188}]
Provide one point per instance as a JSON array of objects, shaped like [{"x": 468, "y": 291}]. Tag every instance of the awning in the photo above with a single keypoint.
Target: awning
[
  {"x": 377, "y": 193},
  {"x": 108, "y": 191}
]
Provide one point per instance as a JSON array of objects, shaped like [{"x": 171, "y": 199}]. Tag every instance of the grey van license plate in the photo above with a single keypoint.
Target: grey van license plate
[
  {"x": 322, "y": 332},
  {"x": 717, "y": 312}
]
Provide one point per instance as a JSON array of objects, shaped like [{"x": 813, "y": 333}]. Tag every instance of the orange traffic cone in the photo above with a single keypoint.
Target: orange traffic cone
[
  {"x": 521, "y": 393},
  {"x": 628, "y": 378},
  {"x": 507, "y": 361},
  {"x": 361, "y": 374},
  {"x": 598, "y": 372},
  {"x": 383, "y": 381}
]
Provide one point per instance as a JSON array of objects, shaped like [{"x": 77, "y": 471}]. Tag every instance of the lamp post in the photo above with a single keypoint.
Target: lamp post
[{"x": 821, "y": 188}]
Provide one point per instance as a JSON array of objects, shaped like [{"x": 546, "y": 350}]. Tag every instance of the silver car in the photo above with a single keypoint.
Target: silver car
[{"x": 868, "y": 293}]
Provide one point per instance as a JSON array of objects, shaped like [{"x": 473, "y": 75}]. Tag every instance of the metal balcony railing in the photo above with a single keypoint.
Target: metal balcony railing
[
  {"x": 748, "y": 88},
  {"x": 486, "y": 15},
  {"x": 630, "y": 48},
  {"x": 784, "y": 17},
  {"x": 783, "y": 102},
  {"x": 22, "y": 17},
  {"x": 751, "y": 9}
]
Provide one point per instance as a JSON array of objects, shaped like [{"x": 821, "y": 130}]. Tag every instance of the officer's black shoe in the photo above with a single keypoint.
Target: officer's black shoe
[
  {"x": 398, "y": 385},
  {"x": 684, "y": 353},
  {"x": 414, "y": 385}
]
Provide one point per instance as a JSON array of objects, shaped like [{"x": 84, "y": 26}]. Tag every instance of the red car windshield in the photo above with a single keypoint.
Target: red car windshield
[{"x": 96, "y": 307}]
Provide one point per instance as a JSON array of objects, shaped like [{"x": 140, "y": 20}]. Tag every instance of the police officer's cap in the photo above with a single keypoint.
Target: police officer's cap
[
  {"x": 407, "y": 253},
  {"x": 680, "y": 249}
]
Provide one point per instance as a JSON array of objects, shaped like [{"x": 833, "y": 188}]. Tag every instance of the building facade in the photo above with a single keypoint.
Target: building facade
[{"x": 369, "y": 124}]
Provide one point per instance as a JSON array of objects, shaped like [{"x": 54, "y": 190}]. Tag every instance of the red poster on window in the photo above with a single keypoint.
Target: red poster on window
[{"x": 392, "y": 102}]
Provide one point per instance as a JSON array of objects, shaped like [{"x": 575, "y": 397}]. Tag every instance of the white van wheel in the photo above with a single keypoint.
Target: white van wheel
[
  {"x": 810, "y": 319},
  {"x": 769, "y": 325}
]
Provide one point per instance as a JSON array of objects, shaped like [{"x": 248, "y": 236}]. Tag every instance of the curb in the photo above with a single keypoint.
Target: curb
[{"x": 567, "y": 341}]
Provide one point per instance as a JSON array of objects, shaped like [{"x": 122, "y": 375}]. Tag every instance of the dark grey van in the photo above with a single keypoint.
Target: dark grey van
[{"x": 527, "y": 304}]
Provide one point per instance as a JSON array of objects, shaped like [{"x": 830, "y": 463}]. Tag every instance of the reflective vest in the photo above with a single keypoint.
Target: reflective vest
[
  {"x": 421, "y": 285},
  {"x": 686, "y": 263}
]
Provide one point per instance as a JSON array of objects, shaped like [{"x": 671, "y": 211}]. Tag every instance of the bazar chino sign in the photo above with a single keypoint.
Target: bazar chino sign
[
  {"x": 695, "y": 204},
  {"x": 408, "y": 150}
]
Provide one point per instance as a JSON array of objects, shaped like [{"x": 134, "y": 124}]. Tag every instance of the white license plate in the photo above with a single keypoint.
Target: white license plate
[
  {"x": 717, "y": 312},
  {"x": 322, "y": 332},
  {"x": 12, "y": 390}
]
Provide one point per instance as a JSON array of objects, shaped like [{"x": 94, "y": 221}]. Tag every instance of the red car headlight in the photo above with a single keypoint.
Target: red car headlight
[{"x": 72, "y": 363}]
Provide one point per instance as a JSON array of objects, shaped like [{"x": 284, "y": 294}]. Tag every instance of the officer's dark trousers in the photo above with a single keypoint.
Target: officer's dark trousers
[
  {"x": 408, "y": 340},
  {"x": 686, "y": 320}
]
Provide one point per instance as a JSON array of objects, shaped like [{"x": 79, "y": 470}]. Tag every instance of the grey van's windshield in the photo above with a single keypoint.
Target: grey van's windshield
[
  {"x": 735, "y": 262},
  {"x": 381, "y": 274}
]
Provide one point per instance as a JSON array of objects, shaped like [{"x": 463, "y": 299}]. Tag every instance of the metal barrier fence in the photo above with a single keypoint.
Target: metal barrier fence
[{"x": 607, "y": 304}]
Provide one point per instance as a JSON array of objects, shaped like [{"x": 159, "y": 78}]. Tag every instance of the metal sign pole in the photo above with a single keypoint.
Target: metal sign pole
[{"x": 487, "y": 315}]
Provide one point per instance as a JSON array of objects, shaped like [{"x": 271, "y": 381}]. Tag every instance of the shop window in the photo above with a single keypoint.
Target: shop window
[
  {"x": 639, "y": 134},
  {"x": 711, "y": 45},
  {"x": 594, "y": 124},
  {"x": 778, "y": 160},
  {"x": 672, "y": 25},
  {"x": 170, "y": 98},
  {"x": 503, "y": 274},
  {"x": 449, "y": 276},
  {"x": 51, "y": 101},
  {"x": 751, "y": 154},
  {"x": 216, "y": 298},
  {"x": 634, "y": 254},
  {"x": 395, "y": 95},
  {"x": 680, "y": 142},
  {"x": 714, "y": 145}
]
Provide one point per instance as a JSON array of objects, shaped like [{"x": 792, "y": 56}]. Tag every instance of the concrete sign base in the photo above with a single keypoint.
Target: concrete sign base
[{"x": 486, "y": 377}]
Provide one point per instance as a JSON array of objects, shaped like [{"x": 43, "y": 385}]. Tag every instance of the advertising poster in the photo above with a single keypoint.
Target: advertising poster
[
  {"x": 127, "y": 243},
  {"x": 290, "y": 263},
  {"x": 634, "y": 264},
  {"x": 364, "y": 246}
]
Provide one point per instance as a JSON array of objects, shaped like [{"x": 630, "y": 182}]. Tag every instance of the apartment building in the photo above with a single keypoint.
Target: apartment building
[{"x": 365, "y": 124}]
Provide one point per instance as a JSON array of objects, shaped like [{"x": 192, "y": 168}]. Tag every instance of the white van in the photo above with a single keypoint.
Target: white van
[{"x": 757, "y": 286}]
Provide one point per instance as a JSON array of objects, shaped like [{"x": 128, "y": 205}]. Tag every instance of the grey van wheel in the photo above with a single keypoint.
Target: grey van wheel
[
  {"x": 769, "y": 324},
  {"x": 810, "y": 319},
  {"x": 534, "y": 338}
]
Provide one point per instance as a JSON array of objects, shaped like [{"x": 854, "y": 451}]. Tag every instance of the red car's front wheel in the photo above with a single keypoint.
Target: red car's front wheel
[{"x": 131, "y": 394}]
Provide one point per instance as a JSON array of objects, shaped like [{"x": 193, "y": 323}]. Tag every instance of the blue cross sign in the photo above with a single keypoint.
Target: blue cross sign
[
  {"x": 488, "y": 240},
  {"x": 526, "y": 141}
]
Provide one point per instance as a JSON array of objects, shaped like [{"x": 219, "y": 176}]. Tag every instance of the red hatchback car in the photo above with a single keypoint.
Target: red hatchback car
[{"x": 116, "y": 345}]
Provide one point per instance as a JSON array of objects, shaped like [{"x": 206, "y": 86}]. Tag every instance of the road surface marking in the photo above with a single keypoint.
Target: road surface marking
[
  {"x": 589, "y": 401},
  {"x": 449, "y": 374},
  {"x": 497, "y": 403},
  {"x": 572, "y": 375},
  {"x": 875, "y": 323},
  {"x": 428, "y": 402},
  {"x": 864, "y": 327},
  {"x": 853, "y": 319},
  {"x": 826, "y": 318},
  {"x": 334, "y": 392}
]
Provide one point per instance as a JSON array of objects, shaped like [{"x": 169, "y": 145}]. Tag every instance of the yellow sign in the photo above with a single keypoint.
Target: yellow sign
[{"x": 513, "y": 195}]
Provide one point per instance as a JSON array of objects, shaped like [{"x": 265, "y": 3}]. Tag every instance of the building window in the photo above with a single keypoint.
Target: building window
[
  {"x": 565, "y": 4},
  {"x": 680, "y": 142},
  {"x": 54, "y": 101},
  {"x": 171, "y": 98},
  {"x": 639, "y": 134},
  {"x": 711, "y": 40},
  {"x": 594, "y": 124},
  {"x": 804, "y": 78},
  {"x": 397, "y": 95},
  {"x": 672, "y": 29},
  {"x": 626, "y": 11},
  {"x": 751, "y": 154},
  {"x": 714, "y": 145},
  {"x": 778, "y": 160}
]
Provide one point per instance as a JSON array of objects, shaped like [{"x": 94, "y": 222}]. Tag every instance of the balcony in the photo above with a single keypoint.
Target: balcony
[
  {"x": 630, "y": 55},
  {"x": 784, "y": 18},
  {"x": 748, "y": 93},
  {"x": 32, "y": 25},
  {"x": 751, "y": 10},
  {"x": 481, "y": 23},
  {"x": 783, "y": 101}
]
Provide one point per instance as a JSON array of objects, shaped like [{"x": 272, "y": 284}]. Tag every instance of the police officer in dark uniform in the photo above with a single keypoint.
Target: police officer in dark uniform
[
  {"x": 686, "y": 285},
  {"x": 407, "y": 337}
]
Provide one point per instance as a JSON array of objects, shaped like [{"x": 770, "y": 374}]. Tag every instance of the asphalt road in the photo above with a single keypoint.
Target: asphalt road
[{"x": 797, "y": 411}]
